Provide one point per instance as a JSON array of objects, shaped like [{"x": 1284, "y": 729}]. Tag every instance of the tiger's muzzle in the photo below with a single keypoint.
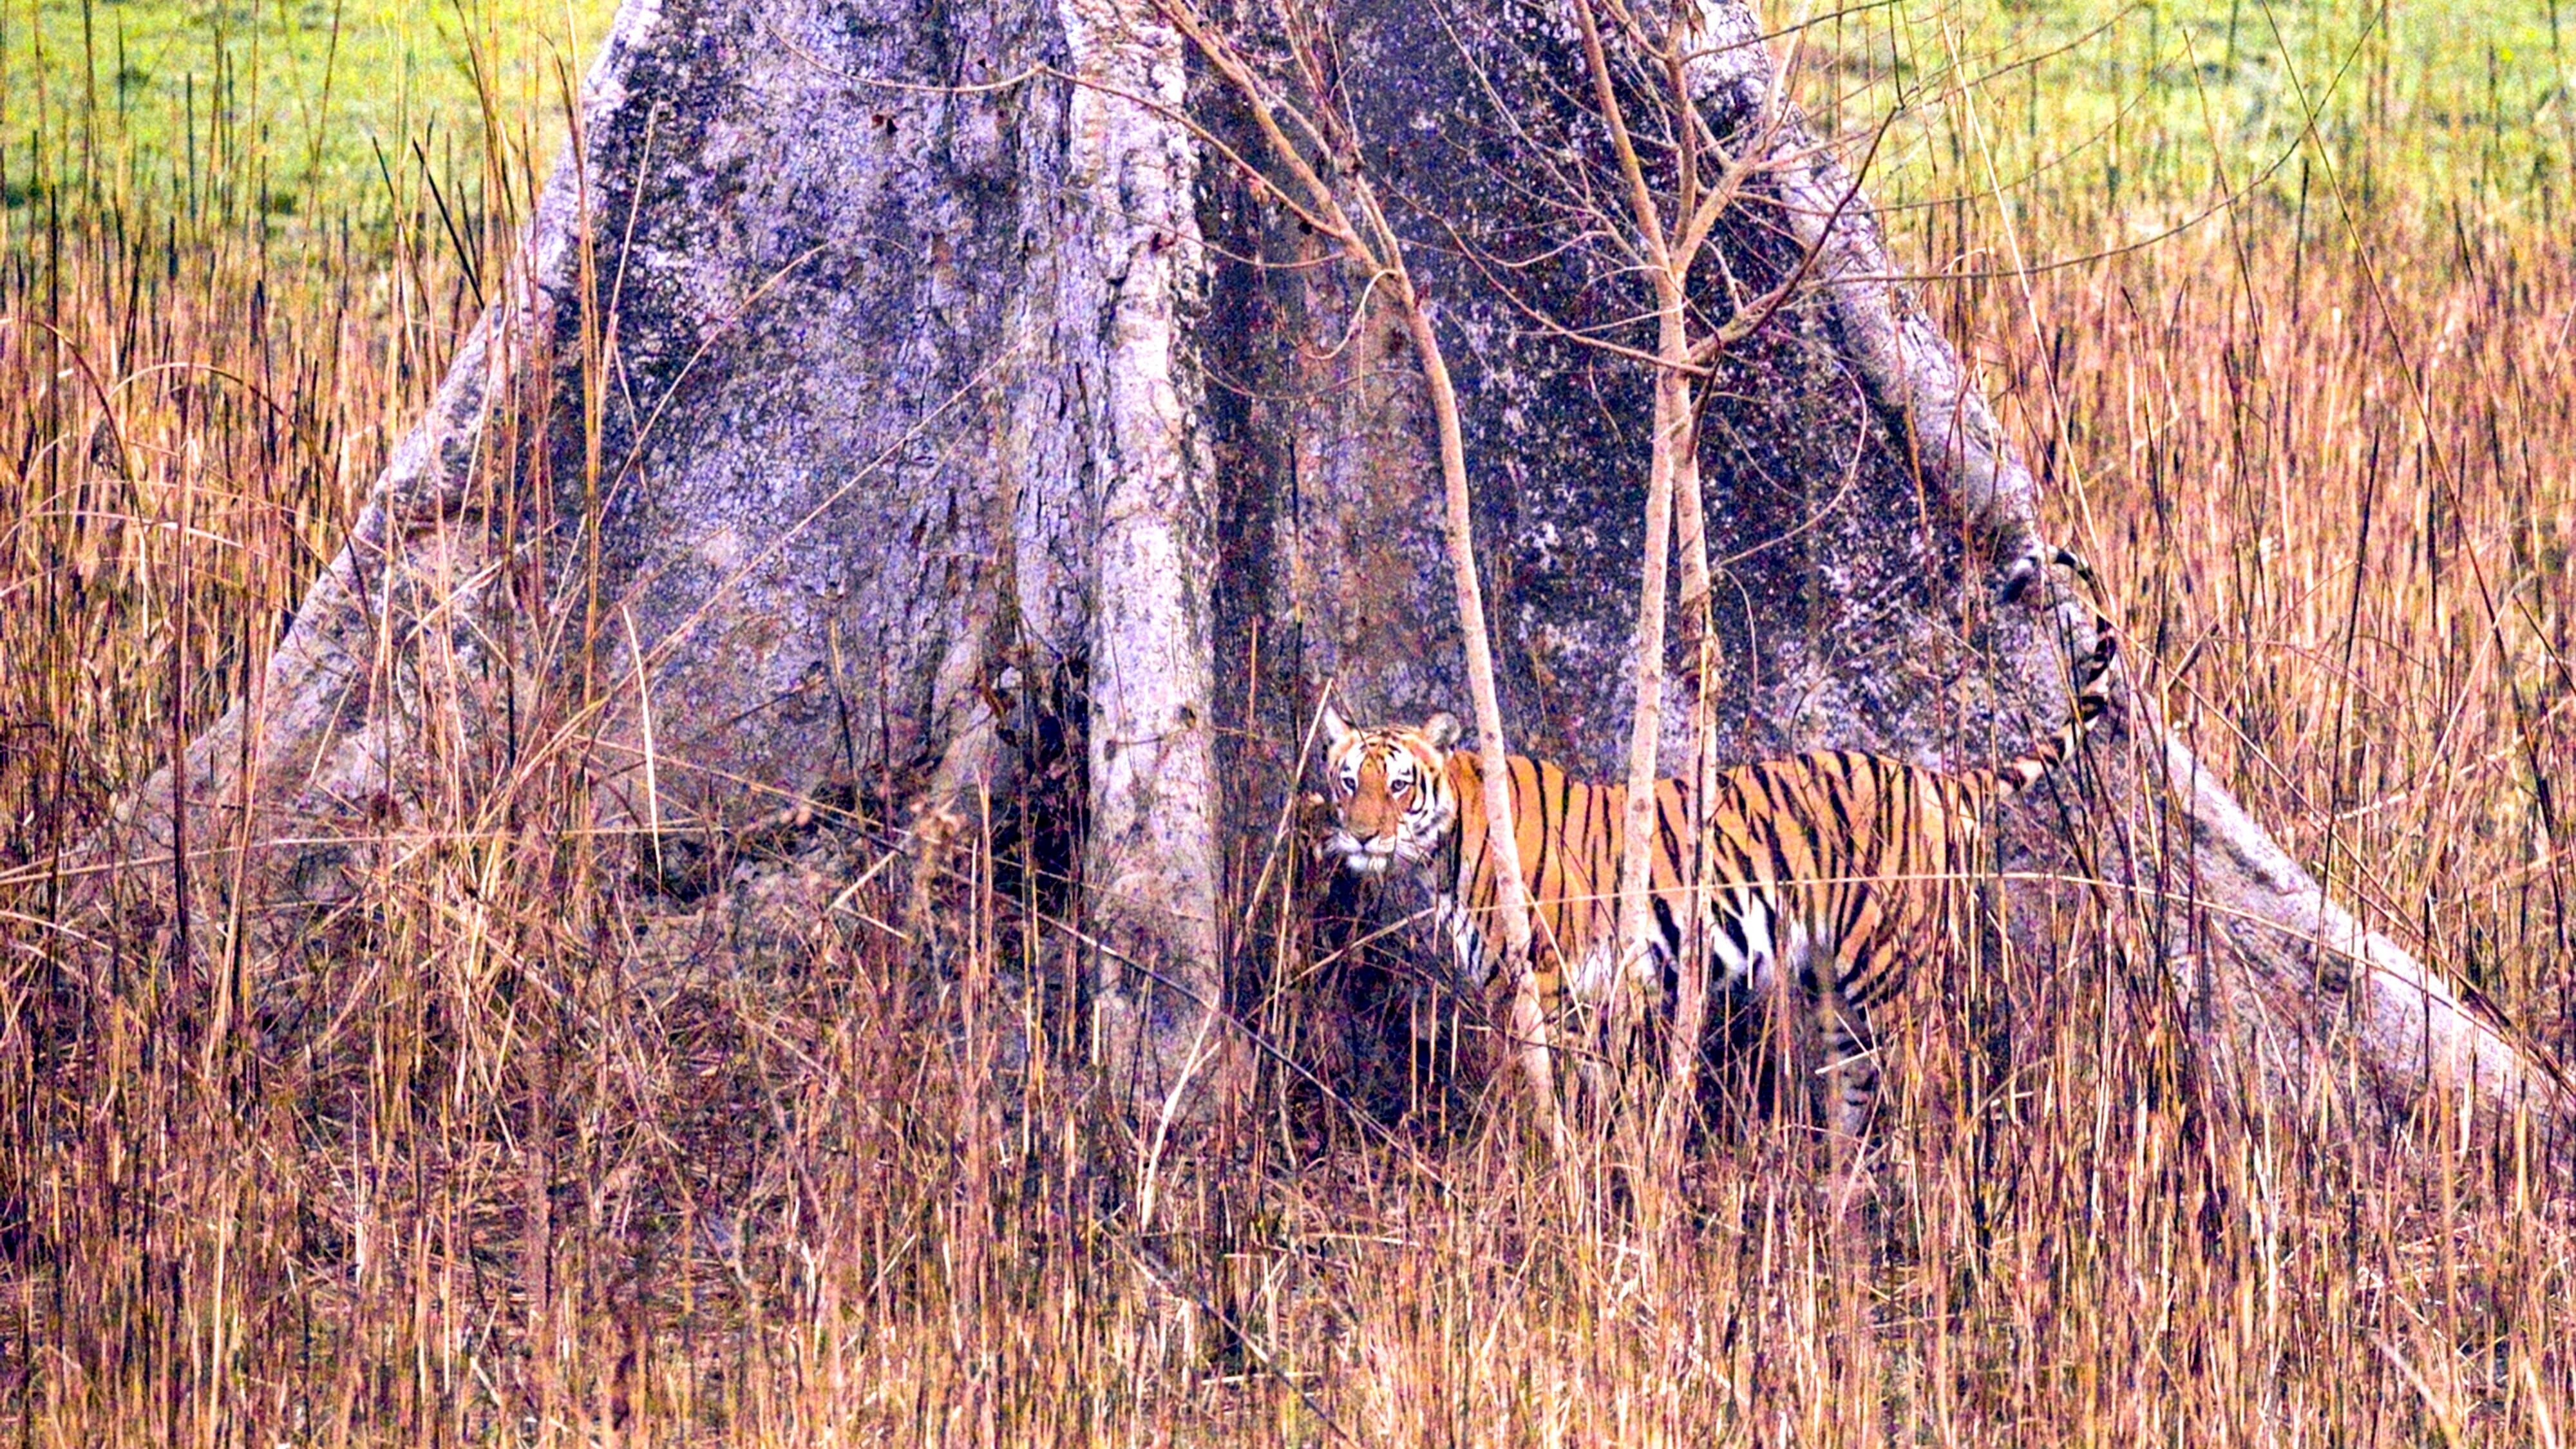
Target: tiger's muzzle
[{"x": 1374, "y": 856}]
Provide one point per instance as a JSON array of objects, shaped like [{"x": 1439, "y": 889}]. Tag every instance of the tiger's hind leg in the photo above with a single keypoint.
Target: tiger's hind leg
[
  {"x": 1845, "y": 1087},
  {"x": 1848, "y": 1093},
  {"x": 1850, "y": 1072}
]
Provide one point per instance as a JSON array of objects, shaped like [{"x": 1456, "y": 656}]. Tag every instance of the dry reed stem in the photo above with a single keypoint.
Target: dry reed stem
[{"x": 848, "y": 1196}]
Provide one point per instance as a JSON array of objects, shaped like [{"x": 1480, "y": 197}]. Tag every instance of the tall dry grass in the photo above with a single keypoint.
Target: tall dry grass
[{"x": 493, "y": 1159}]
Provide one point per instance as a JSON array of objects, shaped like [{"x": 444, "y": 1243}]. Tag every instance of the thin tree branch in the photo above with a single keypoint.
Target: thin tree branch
[{"x": 1386, "y": 258}]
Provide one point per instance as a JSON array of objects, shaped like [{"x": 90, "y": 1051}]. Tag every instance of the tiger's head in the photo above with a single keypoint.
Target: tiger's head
[{"x": 1392, "y": 802}]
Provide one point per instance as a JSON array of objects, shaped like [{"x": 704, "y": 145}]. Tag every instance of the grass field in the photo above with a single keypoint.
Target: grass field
[
  {"x": 2283, "y": 297},
  {"x": 277, "y": 109}
]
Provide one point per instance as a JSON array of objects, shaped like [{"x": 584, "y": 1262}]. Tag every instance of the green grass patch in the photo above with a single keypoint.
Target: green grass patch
[
  {"x": 2139, "y": 117},
  {"x": 262, "y": 113}
]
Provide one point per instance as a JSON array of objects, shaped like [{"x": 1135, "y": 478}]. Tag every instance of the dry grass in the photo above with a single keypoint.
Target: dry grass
[{"x": 482, "y": 1165}]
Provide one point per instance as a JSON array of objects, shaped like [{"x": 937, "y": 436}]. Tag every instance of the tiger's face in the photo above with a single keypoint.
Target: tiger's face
[{"x": 1391, "y": 798}]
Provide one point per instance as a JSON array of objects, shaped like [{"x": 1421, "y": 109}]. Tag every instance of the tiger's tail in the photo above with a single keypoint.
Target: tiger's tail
[{"x": 2091, "y": 700}]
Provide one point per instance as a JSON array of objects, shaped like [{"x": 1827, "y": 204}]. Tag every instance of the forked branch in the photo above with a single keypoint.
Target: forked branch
[{"x": 1351, "y": 217}]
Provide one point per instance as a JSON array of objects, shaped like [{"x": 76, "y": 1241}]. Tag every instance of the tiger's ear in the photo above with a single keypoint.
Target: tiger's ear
[
  {"x": 1441, "y": 730},
  {"x": 1336, "y": 728}
]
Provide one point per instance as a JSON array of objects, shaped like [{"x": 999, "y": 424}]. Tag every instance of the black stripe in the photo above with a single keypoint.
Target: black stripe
[
  {"x": 1547, "y": 786},
  {"x": 1730, "y": 919},
  {"x": 1602, "y": 828},
  {"x": 1838, "y": 797},
  {"x": 1457, "y": 837},
  {"x": 1582, "y": 805},
  {"x": 1668, "y": 836},
  {"x": 1774, "y": 850},
  {"x": 1670, "y": 928}
]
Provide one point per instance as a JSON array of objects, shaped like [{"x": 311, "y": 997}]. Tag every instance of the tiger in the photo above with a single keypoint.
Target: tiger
[{"x": 1841, "y": 867}]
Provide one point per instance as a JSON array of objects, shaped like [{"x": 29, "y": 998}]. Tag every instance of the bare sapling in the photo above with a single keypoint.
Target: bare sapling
[
  {"x": 1662, "y": 237},
  {"x": 1351, "y": 217},
  {"x": 2417, "y": 1037}
]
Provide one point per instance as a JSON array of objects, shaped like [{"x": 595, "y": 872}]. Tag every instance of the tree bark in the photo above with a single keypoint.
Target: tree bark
[
  {"x": 907, "y": 399},
  {"x": 1150, "y": 863},
  {"x": 889, "y": 440},
  {"x": 1867, "y": 509},
  {"x": 2297, "y": 985}
]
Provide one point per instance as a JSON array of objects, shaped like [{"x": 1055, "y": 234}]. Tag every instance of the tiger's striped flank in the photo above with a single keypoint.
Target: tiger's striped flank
[{"x": 1841, "y": 868}]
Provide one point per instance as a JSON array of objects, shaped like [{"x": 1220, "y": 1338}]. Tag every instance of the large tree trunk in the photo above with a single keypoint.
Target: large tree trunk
[
  {"x": 826, "y": 425},
  {"x": 905, "y": 398}
]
